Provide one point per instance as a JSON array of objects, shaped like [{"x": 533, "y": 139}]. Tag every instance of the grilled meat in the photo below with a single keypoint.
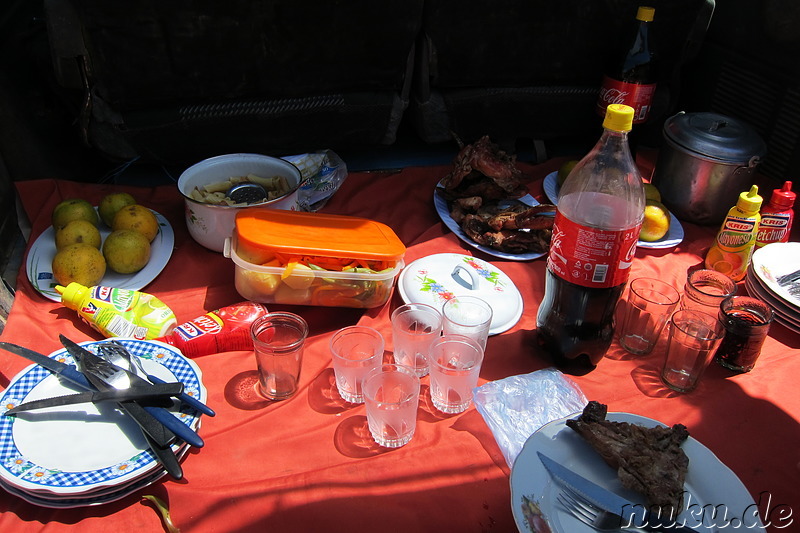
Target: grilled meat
[{"x": 648, "y": 460}]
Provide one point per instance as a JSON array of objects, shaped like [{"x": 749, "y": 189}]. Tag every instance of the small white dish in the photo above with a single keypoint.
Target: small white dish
[{"x": 39, "y": 265}]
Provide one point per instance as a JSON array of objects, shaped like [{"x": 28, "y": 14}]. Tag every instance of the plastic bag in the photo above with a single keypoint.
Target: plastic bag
[
  {"x": 322, "y": 173},
  {"x": 515, "y": 407}
]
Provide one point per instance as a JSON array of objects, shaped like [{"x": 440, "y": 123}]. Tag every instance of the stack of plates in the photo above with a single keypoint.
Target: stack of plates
[
  {"x": 768, "y": 264},
  {"x": 85, "y": 454}
]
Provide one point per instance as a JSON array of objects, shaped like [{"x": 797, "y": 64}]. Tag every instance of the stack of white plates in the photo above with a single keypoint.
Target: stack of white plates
[
  {"x": 85, "y": 454},
  {"x": 768, "y": 264}
]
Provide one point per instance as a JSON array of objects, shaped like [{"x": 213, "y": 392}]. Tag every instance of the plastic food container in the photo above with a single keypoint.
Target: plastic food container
[{"x": 294, "y": 257}]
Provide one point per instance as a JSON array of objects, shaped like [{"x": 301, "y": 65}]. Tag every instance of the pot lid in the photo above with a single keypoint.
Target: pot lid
[
  {"x": 715, "y": 136},
  {"x": 434, "y": 279}
]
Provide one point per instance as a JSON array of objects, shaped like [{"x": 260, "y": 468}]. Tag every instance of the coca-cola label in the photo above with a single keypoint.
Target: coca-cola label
[
  {"x": 591, "y": 257},
  {"x": 637, "y": 95}
]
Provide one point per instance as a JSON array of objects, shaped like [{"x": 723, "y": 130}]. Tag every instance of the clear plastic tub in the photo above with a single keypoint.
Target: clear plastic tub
[{"x": 271, "y": 251}]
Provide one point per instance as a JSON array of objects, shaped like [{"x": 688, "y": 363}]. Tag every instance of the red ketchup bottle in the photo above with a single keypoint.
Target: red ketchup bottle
[
  {"x": 631, "y": 79},
  {"x": 222, "y": 330},
  {"x": 598, "y": 218},
  {"x": 777, "y": 217}
]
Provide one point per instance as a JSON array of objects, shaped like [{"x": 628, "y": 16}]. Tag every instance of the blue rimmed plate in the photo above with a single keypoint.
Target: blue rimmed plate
[
  {"x": 86, "y": 449},
  {"x": 673, "y": 237},
  {"x": 443, "y": 211}
]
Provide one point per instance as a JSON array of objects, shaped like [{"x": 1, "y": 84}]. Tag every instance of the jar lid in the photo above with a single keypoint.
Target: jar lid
[
  {"x": 715, "y": 136},
  {"x": 434, "y": 279}
]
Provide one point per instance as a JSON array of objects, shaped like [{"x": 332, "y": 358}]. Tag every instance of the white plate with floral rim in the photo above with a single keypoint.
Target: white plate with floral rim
[
  {"x": 86, "y": 449},
  {"x": 39, "y": 265}
]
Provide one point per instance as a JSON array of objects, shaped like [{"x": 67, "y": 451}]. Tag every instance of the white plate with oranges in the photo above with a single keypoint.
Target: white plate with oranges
[
  {"x": 39, "y": 264},
  {"x": 673, "y": 237}
]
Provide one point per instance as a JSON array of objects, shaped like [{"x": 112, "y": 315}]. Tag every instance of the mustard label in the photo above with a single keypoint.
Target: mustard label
[{"x": 126, "y": 313}]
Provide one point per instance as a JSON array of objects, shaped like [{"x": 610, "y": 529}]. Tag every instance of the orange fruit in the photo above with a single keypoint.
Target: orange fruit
[
  {"x": 73, "y": 209},
  {"x": 111, "y": 203},
  {"x": 138, "y": 218},
  {"x": 126, "y": 251},
  {"x": 656, "y": 222},
  {"x": 81, "y": 263},
  {"x": 78, "y": 231}
]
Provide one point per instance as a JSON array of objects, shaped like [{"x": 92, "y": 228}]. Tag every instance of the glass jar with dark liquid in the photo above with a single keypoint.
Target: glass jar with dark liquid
[{"x": 746, "y": 321}]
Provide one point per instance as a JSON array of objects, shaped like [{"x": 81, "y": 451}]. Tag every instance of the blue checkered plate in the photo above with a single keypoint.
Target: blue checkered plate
[{"x": 85, "y": 450}]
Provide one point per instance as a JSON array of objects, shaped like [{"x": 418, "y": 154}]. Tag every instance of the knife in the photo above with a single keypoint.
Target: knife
[
  {"x": 61, "y": 370},
  {"x": 159, "y": 413},
  {"x": 134, "y": 393},
  {"x": 603, "y": 498}
]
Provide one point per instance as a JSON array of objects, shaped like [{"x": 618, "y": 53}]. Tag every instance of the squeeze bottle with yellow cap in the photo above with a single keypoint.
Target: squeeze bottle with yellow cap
[
  {"x": 119, "y": 312},
  {"x": 733, "y": 246}
]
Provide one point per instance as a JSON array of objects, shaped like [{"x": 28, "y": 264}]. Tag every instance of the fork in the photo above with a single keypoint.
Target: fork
[
  {"x": 118, "y": 354},
  {"x": 590, "y": 515},
  {"x": 786, "y": 279}
]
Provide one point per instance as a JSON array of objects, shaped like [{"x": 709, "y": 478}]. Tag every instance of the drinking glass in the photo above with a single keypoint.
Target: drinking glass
[
  {"x": 693, "y": 337},
  {"x": 455, "y": 363},
  {"x": 467, "y": 315},
  {"x": 705, "y": 289},
  {"x": 391, "y": 395},
  {"x": 746, "y": 321},
  {"x": 278, "y": 339},
  {"x": 355, "y": 350},
  {"x": 650, "y": 303},
  {"x": 414, "y": 327}
]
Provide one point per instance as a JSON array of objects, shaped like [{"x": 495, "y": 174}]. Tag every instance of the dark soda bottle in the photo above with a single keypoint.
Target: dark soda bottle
[
  {"x": 630, "y": 78},
  {"x": 598, "y": 218}
]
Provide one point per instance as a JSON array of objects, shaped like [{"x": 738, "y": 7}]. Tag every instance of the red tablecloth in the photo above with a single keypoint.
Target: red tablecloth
[{"x": 308, "y": 464}]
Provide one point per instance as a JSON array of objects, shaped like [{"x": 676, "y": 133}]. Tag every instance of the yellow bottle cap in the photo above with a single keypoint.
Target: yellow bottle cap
[
  {"x": 619, "y": 117},
  {"x": 645, "y": 13},
  {"x": 750, "y": 201},
  {"x": 72, "y": 295}
]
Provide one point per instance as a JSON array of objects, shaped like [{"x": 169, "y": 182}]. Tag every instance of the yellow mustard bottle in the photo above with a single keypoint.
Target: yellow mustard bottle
[
  {"x": 734, "y": 243},
  {"x": 119, "y": 312}
]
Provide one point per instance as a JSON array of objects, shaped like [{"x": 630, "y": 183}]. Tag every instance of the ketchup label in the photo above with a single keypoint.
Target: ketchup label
[
  {"x": 591, "y": 257},
  {"x": 774, "y": 227},
  {"x": 637, "y": 95}
]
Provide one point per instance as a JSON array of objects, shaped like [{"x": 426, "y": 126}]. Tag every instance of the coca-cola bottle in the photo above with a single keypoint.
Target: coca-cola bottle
[
  {"x": 630, "y": 78},
  {"x": 598, "y": 218}
]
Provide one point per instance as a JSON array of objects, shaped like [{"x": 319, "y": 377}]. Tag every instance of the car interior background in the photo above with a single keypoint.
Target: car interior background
[{"x": 133, "y": 93}]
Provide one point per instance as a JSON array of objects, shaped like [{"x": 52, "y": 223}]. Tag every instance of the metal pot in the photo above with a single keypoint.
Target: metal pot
[{"x": 707, "y": 160}]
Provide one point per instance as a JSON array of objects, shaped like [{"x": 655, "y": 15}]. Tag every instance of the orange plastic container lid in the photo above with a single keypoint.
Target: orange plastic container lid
[{"x": 306, "y": 233}]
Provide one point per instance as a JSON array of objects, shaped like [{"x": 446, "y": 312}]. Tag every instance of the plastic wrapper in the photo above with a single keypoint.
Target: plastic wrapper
[
  {"x": 515, "y": 407},
  {"x": 322, "y": 172}
]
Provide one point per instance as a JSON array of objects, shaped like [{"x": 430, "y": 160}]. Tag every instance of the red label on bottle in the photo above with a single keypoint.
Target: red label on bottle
[
  {"x": 774, "y": 227},
  {"x": 591, "y": 257},
  {"x": 637, "y": 95}
]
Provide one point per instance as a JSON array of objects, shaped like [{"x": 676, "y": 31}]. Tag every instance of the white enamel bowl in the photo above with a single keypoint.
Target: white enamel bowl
[{"x": 209, "y": 224}]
